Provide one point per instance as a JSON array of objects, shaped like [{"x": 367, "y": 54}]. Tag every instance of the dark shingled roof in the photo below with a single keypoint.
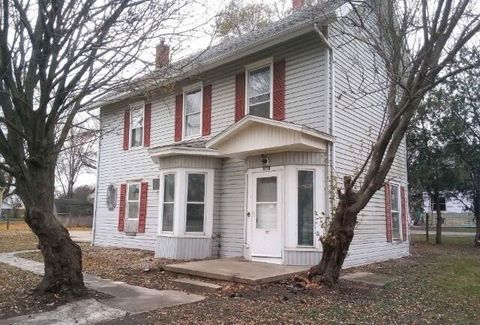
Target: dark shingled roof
[
  {"x": 300, "y": 17},
  {"x": 227, "y": 48},
  {"x": 194, "y": 143}
]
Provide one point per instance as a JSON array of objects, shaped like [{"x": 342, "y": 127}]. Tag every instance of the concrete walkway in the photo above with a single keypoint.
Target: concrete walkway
[
  {"x": 444, "y": 233},
  {"x": 126, "y": 298}
]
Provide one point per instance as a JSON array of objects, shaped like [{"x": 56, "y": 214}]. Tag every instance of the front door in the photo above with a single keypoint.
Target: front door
[{"x": 265, "y": 210}]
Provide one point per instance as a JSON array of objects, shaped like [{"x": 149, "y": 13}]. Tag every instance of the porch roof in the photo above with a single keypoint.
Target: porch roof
[
  {"x": 255, "y": 135},
  {"x": 187, "y": 148}
]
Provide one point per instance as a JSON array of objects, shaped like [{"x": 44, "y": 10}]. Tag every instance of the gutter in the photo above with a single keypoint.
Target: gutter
[
  {"x": 331, "y": 86},
  {"x": 95, "y": 205}
]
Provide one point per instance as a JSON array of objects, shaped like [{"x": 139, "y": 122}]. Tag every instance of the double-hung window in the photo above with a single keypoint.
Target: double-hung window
[
  {"x": 259, "y": 91},
  {"x": 168, "y": 202},
  {"x": 133, "y": 201},
  {"x": 136, "y": 125},
  {"x": 195, "y": 204},
  {"x": 193, "y": 109},
  {"x": 395, "y": 197},
  {"x": 305, "y": 195}
]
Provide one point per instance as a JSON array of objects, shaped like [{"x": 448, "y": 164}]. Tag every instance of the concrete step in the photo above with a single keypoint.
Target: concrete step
[{"x": 196, "y": 286}]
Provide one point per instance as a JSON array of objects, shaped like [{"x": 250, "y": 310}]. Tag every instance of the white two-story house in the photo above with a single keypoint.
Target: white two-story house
[{"x": 238, "y": 154}]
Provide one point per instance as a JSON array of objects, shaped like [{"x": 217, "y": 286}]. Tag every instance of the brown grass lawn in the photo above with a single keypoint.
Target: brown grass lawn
[{"x": 436, "y": 285}]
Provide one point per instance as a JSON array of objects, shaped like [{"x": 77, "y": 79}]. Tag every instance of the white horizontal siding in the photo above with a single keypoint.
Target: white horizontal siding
[
  {"x": 232, "y": 208},
  {"x": 358, "y": 120}
]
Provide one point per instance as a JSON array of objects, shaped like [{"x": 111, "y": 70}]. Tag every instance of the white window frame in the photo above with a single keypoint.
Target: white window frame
[
  {"x": 127, "y": 200},
  {"x": 252, "y": 67},
  {"x": 291, "y": 206},
  {"x": 399, "y": 198},
  {"x": 180, "y": 205},
  {"x": 313, "y": 170},
  {"x": 186, "y": 90},
  {"x": 132, "y": 107},
  {"x": 186, "y": 202},
  {"x": 162, "y": 202}
]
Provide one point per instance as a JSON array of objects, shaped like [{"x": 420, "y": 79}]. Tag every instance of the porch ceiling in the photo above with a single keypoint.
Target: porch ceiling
[{"x": 254, "y": 135}]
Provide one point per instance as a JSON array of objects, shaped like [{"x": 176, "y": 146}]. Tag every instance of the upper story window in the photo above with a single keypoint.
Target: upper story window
[
  {"x": 259, "y": 91},
  {"x": 133, "y": 201},
  {"x": 136, "y": 125},
  {"x": 193, "y": 109}
]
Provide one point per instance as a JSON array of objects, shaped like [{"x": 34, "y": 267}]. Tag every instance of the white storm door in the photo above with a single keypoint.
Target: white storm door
[{"x": 265, "y": 214}]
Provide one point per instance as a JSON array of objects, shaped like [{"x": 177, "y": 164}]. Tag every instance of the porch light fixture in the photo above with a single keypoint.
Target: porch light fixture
[{"x": 265, "y": 162}]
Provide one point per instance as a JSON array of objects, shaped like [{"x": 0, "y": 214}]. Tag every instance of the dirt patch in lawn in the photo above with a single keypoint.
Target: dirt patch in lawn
[
  {"x": 17, "y": 298},
  {"x": 437, "y": 284},
  {"x": 17, "y": 240}
]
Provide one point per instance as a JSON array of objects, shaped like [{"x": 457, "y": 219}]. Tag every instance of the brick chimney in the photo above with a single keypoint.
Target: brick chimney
[
  {"x": 162, "y": 57},
  {"x": 297, "y": 4}
]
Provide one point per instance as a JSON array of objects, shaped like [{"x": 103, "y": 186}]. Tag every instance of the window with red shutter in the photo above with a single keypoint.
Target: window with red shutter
[
  {"x": 147, "y": 124},
  {"x": 121, "y": 208},
  {"x": 207, "y": 110},
  {"x": 126, "y": 129},
  {"x": 239, "y": 96},
  {"x": 142, "y": 218},
  {"x": 279, "y": 90},
  {"x": 178, "y": 117}
]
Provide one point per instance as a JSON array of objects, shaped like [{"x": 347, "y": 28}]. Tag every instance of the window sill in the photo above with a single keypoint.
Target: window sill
[
  {"x": 135, "y": 148},
  {"x": 193, "y": 137}
]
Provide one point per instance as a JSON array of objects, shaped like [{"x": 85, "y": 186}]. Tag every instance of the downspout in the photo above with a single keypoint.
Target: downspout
[
  {"x": 331, "y": 85},
  {"x": 95, "y": 203}
]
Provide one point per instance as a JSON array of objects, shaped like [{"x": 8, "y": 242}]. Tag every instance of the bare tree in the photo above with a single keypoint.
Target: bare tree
[
  {"x": 78, "y": 156},
  {"x": 55, "y": 58},
  {"x": 415, "y": 42}
]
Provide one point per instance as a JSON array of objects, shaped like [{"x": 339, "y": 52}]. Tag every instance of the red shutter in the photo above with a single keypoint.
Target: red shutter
[
  {"x": 178, "y": 117},
  {"x": 388, "y": 211},
  {"x": 207, "y": 110},
  {"x": 126, "y": 129},
  {"x": 404, "y": 212},
  {"x": 121, "y": 208},
  {"x": 147, "y": 124},
  {"x": 279, "y": 90},
  {"x": 143, "y": 207},
  {"x": 239, "y": 96}
]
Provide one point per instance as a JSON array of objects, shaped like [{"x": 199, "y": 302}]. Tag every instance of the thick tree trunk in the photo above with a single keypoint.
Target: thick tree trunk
[
  {"x": 62, "y": 257},
  {"x": 476, "y": 213},
  {"x": 476, "y": 205},
  {"x": 337, "y": 241},
  {"x": 477, "y": 231},
  {"x": 438, "y": 236},
  {"x": 427, "y": 225}
]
